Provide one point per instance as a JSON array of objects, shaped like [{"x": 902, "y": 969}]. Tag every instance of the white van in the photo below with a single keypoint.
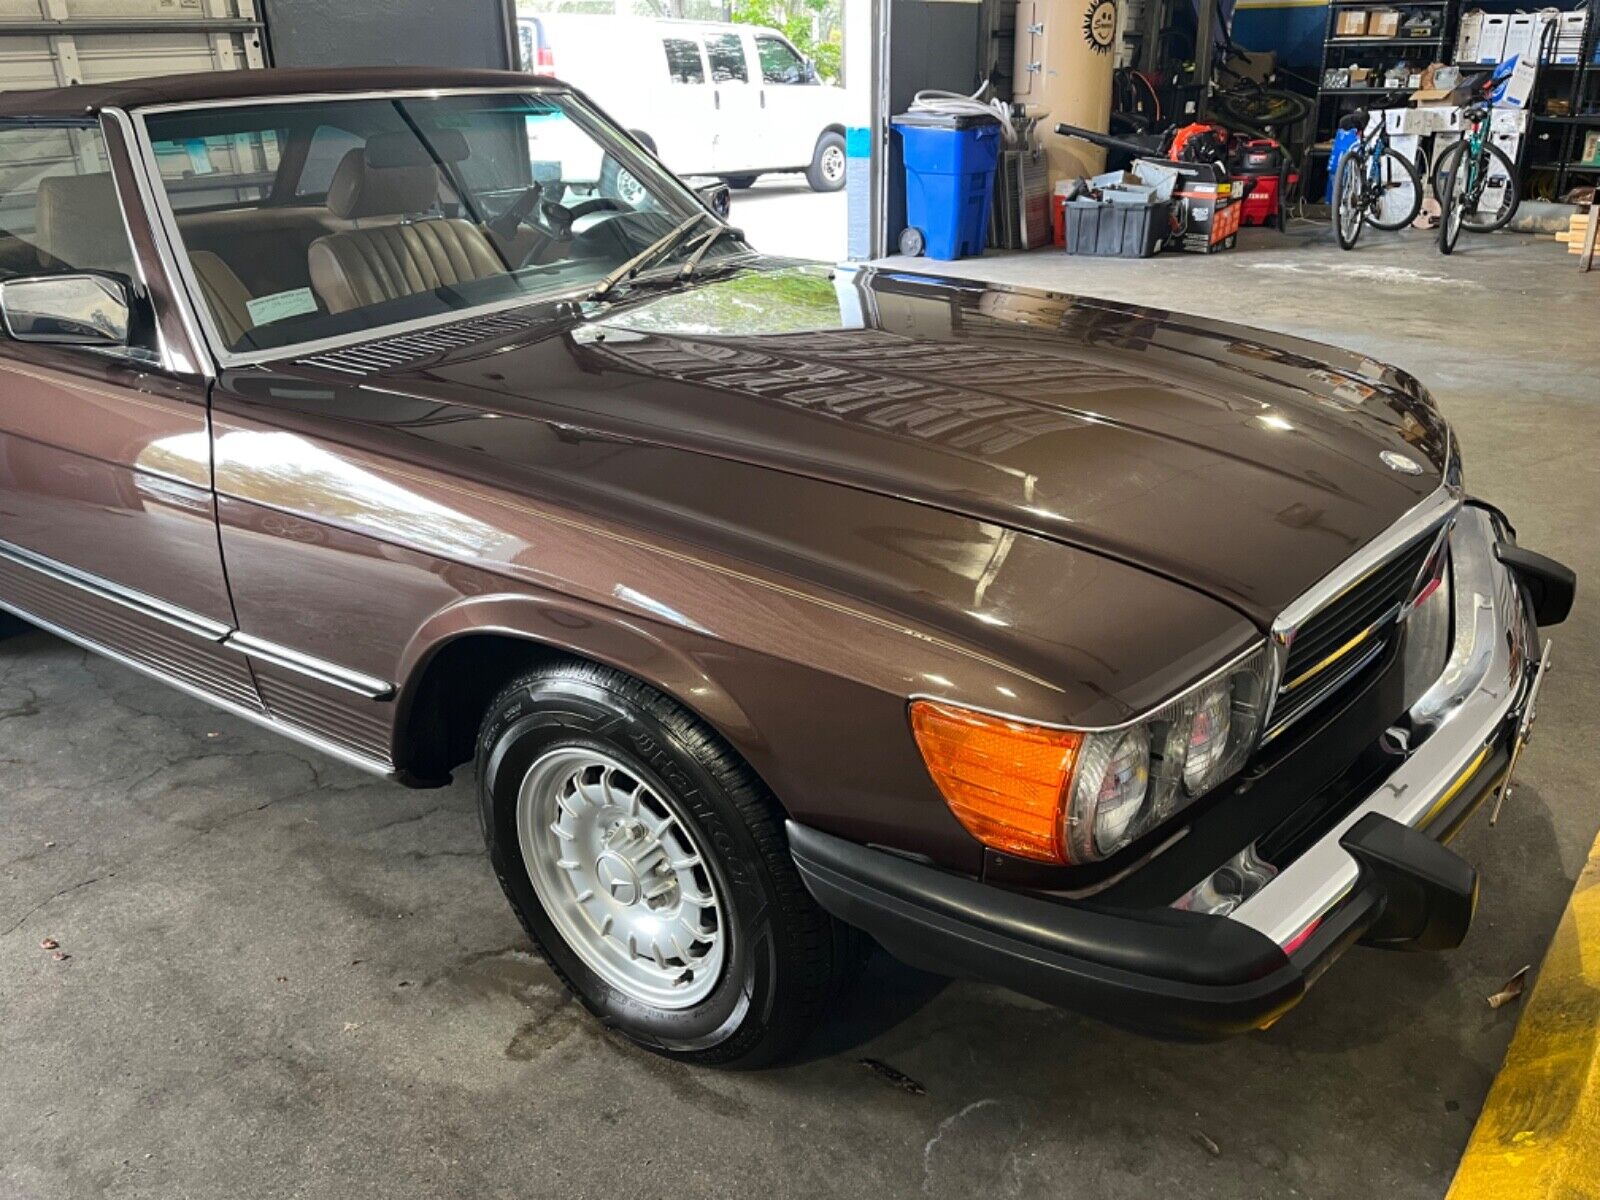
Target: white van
[{"x": 736, "y": 101}]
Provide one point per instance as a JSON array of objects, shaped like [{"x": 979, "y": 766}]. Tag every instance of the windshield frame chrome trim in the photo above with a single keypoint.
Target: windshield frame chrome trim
[{"x": 164, "y": 218}]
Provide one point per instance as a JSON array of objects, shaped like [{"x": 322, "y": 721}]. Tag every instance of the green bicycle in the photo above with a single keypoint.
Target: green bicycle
[{"x": 1475, "y": 182}]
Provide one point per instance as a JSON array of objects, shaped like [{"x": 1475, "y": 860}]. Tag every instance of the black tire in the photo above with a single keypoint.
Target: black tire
[
  {"x": 1265, "y": 109},
  {"x": 827, "y": 170},
  {"x": 1396, "y": 174},
  {"x": 740, "y": 182},
  {"x": 786, "y": 959},
  {"x": 1347, "y": 211},
  {"x": 1449, "y": 180},
  {"x": 1480, "y": 221}
]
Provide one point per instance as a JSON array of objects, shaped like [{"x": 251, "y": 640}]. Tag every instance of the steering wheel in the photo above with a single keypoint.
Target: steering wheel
[
  {"x": 585, "y": 208},
  {"x": 550, "y": 221}
]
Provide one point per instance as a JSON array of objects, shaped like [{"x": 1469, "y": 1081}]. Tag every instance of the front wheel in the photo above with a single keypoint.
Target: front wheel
[
  {"x": 1454, "y": 183},
  {"x": 1397, "y": 192},
  {"x": 827, "y": 170},
  {"x": 1348, "y": 207},
  {"x": 649, "y": 865}
]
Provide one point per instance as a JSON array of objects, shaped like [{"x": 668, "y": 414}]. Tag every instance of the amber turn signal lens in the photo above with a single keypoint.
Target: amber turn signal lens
[{"x": 1005, "y": 781}]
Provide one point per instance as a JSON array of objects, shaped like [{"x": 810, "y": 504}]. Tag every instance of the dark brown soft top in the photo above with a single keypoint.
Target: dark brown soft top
[{"x": 87, "y": 99}]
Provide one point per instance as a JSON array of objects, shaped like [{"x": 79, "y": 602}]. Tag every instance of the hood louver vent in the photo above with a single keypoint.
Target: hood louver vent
[{"x": 388, "y": 353}]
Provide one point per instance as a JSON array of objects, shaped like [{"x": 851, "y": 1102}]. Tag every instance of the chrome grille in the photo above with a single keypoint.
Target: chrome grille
[{"x": 1333, "y": 644}]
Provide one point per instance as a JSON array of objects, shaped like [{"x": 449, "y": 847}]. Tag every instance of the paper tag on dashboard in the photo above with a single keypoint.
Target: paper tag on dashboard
[{"x": 264, "y": 310}]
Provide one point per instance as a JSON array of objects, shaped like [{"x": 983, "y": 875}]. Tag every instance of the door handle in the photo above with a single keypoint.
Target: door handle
[
  {"x": 763, "y": 97},
  {"x": 716, "y": 96}
]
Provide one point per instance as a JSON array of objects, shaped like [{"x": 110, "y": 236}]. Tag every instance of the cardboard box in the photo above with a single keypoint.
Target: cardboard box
[
  {"x": 1519, "y": 38},
  {"x": 1351, "y": 22},
  {"x": 1591, "y": 149},
  {"x": 1508, "y": 120},
  {"x": 1491, "y": 40},
  {"x": 1467, "y": 36},
  {"x": 1204, "y": 207},
  {"x": 1517, "y": 89},
  {"x": 1383, "y": 23},
  {"x": 1569, "y": 38},
  {"x": 1422, "y": 120},
  {"x": 1543, "y": 45}
]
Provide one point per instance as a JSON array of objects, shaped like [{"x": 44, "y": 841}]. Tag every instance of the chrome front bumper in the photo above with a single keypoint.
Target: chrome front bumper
[{"x": 1472, "y": 707}]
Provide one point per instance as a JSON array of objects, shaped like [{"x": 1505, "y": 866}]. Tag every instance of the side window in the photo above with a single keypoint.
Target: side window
[
  {"x": 779, "y": 62},
  {"x": 328, "y": 147},
  {"x": 725, "y": 52},
  {"x": 58, "y": 205},
  {"x": 220, "y": 171},
  {"x": 683, "y": 60}
]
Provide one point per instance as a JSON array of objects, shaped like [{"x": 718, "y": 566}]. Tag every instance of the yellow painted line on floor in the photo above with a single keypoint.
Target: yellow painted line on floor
[{"x": 1538, "y": 1137}]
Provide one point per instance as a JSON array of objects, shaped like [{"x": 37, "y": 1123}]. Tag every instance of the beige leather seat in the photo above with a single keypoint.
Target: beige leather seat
[
  {"x": 79, "y": 228},
  {"x": 385, "y": 257},
  {"x": 78, "y": 225},
  {"x": 225, "y": 296}
]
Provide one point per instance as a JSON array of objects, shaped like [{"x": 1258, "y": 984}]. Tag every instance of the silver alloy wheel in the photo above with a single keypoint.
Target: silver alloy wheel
[
  {"x": 832, "y": 163},
  {"x": 621, "y": 877},
  {"x": 629, "y": 189}
]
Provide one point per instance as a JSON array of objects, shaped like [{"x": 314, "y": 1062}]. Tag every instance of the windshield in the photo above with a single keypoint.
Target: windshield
[{"x": 315, "y": 220}]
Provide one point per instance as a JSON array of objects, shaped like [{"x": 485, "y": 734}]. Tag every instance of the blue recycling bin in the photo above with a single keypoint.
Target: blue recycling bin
[{"x": 950, "y": 161}]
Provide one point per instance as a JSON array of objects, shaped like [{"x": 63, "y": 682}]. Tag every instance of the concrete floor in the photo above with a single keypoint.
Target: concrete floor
[
  {"x": 782, "y": 215},
  {"x": 289, "y": 980}
]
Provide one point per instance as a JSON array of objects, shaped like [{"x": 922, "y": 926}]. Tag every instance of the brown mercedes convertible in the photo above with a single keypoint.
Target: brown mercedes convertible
[{"x": 1135, "y": 661}]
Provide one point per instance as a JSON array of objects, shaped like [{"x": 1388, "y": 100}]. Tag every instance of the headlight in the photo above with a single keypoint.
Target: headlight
[
  {"x": 1072, "y": 796},
  {"x": 1427, "y": 634}
]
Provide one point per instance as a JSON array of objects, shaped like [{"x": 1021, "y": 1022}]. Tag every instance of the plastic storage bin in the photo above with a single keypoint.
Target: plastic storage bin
[
  {"x": 1116, "y": 230},
  {"x": 950, "y": 163}
]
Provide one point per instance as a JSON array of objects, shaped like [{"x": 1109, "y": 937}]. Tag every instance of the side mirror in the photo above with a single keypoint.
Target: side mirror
[
  {"x": 811, "y": 75},
  {"x": 714, "y": 194},
  {"x": 67, "y": 310}
]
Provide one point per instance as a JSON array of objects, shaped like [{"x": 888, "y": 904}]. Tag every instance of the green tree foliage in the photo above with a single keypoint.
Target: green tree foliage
[{"x": 812, "y": 25}]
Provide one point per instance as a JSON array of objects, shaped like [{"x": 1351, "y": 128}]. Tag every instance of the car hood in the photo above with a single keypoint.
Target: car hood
[{"x": 1244, "y": 464}]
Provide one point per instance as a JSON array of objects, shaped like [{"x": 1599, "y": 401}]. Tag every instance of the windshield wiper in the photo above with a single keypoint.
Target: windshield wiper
[
  {"x": 706, "y": 242},
  {"x": 656, "y": 249}
]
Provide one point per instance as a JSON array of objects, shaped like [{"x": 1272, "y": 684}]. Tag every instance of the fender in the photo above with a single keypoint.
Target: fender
[{"x": 589, "y": 631}]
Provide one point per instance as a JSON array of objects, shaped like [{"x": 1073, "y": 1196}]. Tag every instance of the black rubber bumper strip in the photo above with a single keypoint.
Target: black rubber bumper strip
[{"x": 1164, "y": 972}]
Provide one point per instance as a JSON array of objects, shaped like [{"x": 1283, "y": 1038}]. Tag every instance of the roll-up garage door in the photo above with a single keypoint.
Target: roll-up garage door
[{"x": 50, "y": 43}]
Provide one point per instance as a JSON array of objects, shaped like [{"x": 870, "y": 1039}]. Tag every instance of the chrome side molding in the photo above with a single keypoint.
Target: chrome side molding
[
  {"x": 319, "y": 669},
  {"x": 192, "y": 623},
  {"x": 198, "y": 625}
]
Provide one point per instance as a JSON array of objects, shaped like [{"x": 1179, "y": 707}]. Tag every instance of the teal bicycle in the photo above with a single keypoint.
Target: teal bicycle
[{"x": 1474, "y": 180}]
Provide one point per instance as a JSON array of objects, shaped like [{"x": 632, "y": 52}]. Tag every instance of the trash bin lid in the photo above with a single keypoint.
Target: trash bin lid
[{"x": 939, "y": 120}]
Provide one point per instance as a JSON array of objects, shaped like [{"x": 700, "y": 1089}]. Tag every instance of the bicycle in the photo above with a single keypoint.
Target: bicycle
[
  {"x": 1375, "y": 184},
  {"x": 1465, "y": 171}
]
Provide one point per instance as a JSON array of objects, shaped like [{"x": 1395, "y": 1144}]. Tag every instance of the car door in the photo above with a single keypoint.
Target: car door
[
  {"x": 685, "y": 134},
  {"x": 107, "y": 518},
  {"x": 791, "y": 115},
  {"x": 737, "y": 102}
]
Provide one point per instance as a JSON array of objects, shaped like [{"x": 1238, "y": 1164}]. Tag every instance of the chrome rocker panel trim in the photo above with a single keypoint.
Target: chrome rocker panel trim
[
  {"x": 380, "y": 767},
  {"x": 1467, "y": 707}
]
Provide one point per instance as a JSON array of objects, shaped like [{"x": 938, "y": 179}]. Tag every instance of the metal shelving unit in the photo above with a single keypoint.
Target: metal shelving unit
[
  {"x": 1345, "y": 51},
  {"x": 1582, "y": 88}
]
